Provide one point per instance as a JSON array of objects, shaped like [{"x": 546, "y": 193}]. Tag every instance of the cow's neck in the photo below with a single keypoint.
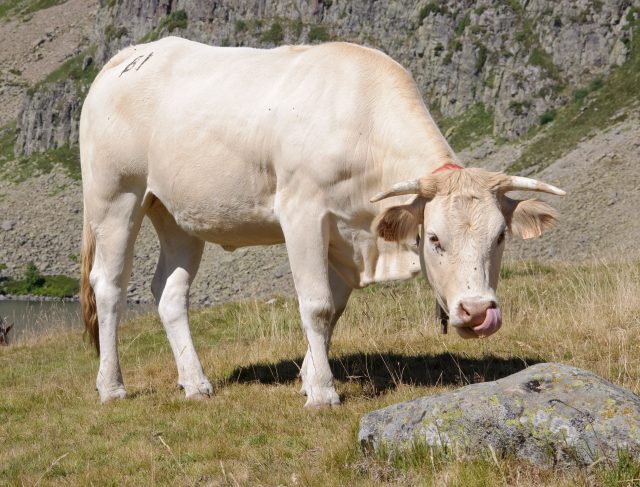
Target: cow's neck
[{"x": 414, "y": 147}]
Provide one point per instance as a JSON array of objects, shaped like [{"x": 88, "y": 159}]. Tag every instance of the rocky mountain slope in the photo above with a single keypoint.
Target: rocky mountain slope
[
  {"x": 502, "y": 78},
  {"x": 507, "y": 63}
]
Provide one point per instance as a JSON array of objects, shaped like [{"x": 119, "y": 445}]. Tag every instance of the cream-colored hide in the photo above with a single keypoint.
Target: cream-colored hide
[{"x": 240, "y": 147}]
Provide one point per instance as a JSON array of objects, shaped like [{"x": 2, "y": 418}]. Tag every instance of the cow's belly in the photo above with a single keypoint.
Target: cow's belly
[
  {"x": 230, "y": 227},
  {"x": 221, "y": 199}
]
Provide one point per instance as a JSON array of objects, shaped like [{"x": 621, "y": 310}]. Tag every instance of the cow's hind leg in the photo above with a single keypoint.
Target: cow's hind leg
[
  {"x": 180, "y": 255},
  {"x": 340, "y": 292},
  {"x": 116, "y": 222}
]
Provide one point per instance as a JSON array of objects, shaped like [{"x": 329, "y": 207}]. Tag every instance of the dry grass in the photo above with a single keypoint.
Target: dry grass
[{"x": 254, "y": 431}]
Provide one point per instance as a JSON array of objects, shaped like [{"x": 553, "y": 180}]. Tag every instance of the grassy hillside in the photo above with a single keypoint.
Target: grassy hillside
[{"x": 255, "y": 431}]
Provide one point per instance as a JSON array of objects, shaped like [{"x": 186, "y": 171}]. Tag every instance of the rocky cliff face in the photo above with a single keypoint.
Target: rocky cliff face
[
  {"x": 49, "y": 119},
  {"x": 510, "y": 61}
]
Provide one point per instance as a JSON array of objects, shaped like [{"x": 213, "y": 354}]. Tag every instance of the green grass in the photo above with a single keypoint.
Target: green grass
[
  {"x": 177, "y": 19},
  {"x": 54, "y": 286},
  {"x": 275, "y": 34},
  {"x": 431, "y": 8},
  {"x": 67, "y": 157},
  {"x": 590, "y": 109},
  {"x": 71, "y": 70},
  {"x": 317, "y": 34},
  {"x": 23, "y": 167},
  {"x": 7, "y": 143},
  {"x": 474, "y": 124},
  {"x": 112, "y": 32},
  {"x": 548, "y": 117},
  {"x": 15, "y": 8},
  {"x": 254, "y": 431},
  {"x": 541, "y": 58}
]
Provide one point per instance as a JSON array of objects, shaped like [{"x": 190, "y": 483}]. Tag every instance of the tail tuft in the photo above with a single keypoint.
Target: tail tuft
[{"x": 87, "y": 296}]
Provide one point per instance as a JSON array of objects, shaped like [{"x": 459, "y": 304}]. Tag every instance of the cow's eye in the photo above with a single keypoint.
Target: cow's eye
[
  {"x": 435, "y": 241},
  {"x": 500, "y": 237}
]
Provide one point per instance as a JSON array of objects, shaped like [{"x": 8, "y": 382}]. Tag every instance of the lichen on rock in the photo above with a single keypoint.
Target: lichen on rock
[{"x": 548, "y": 414}]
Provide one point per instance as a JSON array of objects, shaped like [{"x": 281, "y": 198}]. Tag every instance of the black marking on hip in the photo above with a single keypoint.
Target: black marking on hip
[
  {"x": 133, "y": 63},
  {"x": 145, "y": 60},
  {"x": 130, "y": 66}
]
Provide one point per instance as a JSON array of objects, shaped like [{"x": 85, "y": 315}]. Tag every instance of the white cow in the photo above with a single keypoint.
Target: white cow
[{"x": 242, "y": 146}]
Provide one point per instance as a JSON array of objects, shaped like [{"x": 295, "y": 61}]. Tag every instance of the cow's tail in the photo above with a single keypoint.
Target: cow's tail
[{"x": 87, "y": 296}]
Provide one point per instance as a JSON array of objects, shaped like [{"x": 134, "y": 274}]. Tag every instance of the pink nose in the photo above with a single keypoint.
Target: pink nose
[
  {"x": 483, "y": 317},
  {"x": 474, "y": 312}
]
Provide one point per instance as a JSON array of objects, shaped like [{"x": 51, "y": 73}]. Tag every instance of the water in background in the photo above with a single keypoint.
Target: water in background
[{"x": 34, "y": 317}]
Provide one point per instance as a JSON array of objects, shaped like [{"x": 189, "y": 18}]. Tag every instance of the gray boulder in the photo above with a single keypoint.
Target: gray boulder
[{"x": 548, "y": 414}]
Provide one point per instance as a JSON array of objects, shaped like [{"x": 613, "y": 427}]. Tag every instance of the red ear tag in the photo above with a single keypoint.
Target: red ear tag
[{"x": 447, "y": 167}]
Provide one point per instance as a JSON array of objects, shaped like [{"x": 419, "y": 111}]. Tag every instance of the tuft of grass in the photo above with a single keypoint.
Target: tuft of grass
[
  {"x": 548, "y": 117},
  {"x": 474, "y": 124},
  {"x": 431, "y": 8},
  {"x": 274, "y": 35},
  {"x": 318, "y": 33},
  {"x": 481, "y": 57},
  {"x": 579, "y": 95},
  {"x": 530, "y": 268},
  {"x": 296, "y": 28},
  {"x": 591, "y": 109},
  {"x": 177, "y": 19},
  {"x": 541, "y": 58},
  {"x": 240, "y": 26},
  {"x": 112, "y": 32},
  {"x": 462, "y": 25},
  {"x": 625, "y": 471}
]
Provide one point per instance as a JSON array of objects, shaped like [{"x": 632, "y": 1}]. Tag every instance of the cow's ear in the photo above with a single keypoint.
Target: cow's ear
[
  {"x": 399, "y": 223},
  {"x": 528, "y": 218}
]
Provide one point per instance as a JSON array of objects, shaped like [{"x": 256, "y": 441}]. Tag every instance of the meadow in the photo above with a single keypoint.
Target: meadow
[{"x": 254, "y": 430}]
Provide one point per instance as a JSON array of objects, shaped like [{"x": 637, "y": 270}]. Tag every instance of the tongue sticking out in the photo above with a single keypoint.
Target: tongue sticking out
[{"x": 492, "y": 323}]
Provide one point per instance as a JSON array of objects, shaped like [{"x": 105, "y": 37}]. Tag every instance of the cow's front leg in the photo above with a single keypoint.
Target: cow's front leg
[
  {"x": 306, "y": 233},
  {"x": 340, "y": 292},
  {"x": 318, "y": 384}
]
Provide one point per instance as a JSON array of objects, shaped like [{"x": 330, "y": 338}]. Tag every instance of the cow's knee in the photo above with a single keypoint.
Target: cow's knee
[{"x": 317, "y": 314}]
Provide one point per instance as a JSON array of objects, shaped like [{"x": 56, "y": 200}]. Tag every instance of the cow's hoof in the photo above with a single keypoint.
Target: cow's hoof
[
  {"x": 203, "y": 390},
  {"x": 321, "y": 397},
  {"x": 108, "y": 394}
]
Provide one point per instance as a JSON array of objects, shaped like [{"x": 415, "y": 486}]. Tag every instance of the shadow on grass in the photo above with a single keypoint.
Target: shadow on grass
[{"x": 378, "y": 373}]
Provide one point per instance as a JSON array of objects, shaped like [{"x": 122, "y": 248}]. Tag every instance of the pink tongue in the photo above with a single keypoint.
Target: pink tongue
[{"x": 492, "y": 323}]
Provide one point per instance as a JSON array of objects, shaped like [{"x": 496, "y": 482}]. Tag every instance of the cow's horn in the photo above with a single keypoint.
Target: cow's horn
[
  {"x": 519, "y": 183},
  {"x": 405, "y": 187}
]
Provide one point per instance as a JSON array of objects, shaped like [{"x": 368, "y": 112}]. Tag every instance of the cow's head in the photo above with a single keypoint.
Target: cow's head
[{"x": 460, "y": 218}]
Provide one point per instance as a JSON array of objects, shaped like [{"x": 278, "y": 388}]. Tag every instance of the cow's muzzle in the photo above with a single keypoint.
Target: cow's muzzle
[{"x": 477, "y": 318}]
